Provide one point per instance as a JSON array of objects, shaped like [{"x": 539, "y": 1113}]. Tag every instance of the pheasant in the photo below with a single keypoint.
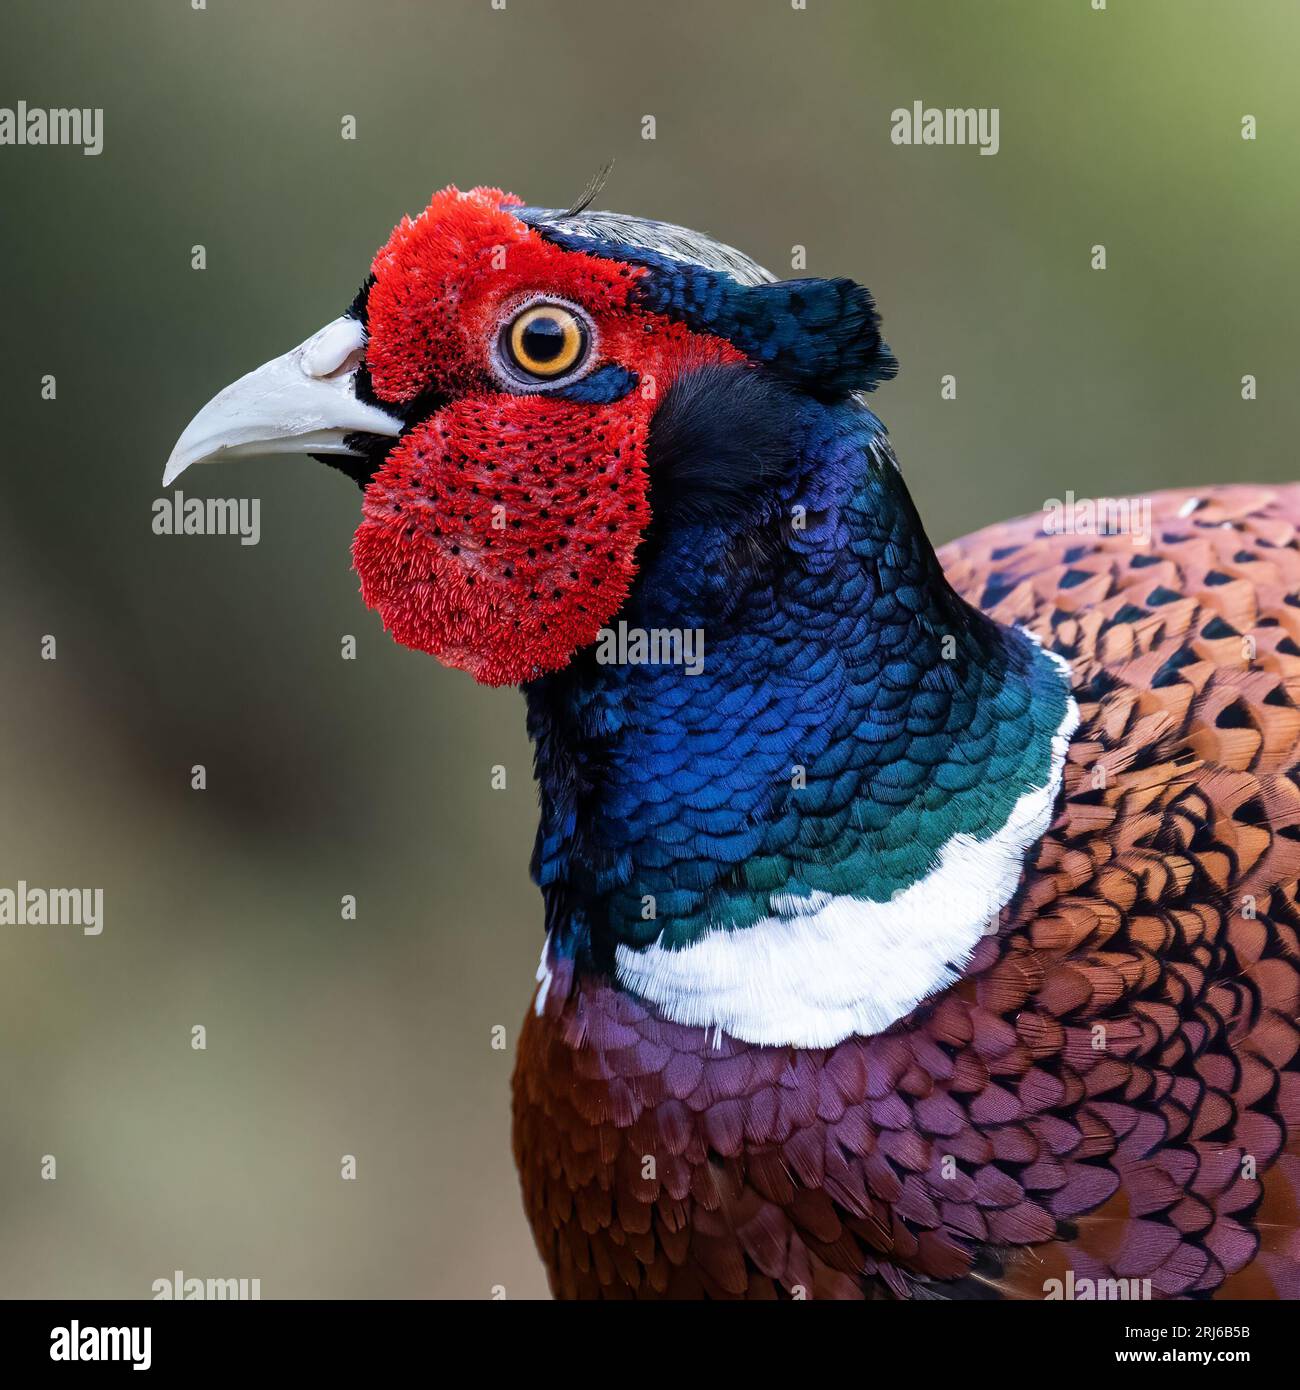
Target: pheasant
[{"x": 934, "y": 933}]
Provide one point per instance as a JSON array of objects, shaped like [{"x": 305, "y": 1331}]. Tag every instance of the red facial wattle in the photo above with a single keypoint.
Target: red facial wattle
[{"x": 500, "y": 533}]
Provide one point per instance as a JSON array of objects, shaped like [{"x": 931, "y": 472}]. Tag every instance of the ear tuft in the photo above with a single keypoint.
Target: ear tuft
[{"x": 821, "y": 335}]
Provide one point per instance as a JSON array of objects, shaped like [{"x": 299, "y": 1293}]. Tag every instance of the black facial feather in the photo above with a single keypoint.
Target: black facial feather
[
  {"x": 720, "y": 437},
  {"x": 372, "y": 449},
  {"x": 358, "y": 309}
]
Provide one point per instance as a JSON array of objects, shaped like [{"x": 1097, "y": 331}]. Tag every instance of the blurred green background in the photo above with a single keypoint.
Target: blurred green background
[{"x": 372, "y": 777}]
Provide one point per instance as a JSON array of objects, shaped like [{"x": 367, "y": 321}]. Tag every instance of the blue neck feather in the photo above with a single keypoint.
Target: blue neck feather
[{"x": 852, "y": 714}]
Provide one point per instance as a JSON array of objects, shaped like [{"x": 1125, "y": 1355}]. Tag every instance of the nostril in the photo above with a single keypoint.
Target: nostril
[
  {"x": 348, "y": 366},
  {"x": 337, "y": 347}
]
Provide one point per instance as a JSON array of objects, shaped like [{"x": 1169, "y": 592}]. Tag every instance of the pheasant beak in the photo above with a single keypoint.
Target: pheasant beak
[{"x": 302, "y": 403}]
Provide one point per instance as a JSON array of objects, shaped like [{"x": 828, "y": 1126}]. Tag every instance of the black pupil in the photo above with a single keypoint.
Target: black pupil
[{"x": 543, "y": 338}]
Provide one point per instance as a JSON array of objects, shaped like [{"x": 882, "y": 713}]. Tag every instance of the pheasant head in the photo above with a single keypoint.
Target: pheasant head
[{"x": 509, "y": 388}]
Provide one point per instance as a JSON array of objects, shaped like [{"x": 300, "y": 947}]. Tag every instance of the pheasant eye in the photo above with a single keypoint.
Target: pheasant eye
[{"x": 545, "y": 341}]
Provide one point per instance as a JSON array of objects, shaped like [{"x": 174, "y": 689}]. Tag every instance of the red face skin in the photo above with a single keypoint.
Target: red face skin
[{"x": 500, "y": 534}]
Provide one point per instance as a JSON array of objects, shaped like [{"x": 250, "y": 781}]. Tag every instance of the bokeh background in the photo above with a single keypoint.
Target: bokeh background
[{"x": 372, "y": 777}]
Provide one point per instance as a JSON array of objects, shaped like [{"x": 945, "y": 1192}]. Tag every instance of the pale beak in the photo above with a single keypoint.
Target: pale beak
[{"x": 303, "y": 403}]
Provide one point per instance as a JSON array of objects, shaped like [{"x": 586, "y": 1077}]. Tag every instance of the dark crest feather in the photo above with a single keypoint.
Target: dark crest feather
[{"x": 594, "y": 185}]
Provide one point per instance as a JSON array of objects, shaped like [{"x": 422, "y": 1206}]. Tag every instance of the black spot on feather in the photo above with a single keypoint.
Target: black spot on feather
[
  {"x": 1130, "y": 613},
  {"x": 1168, "y": 673},
  {"x": 1234, "y": 716},
  {"x": 997, "y": 588},
  {"x": 1251, "y": 812},
  {"x": 1096, "y": 688}
]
